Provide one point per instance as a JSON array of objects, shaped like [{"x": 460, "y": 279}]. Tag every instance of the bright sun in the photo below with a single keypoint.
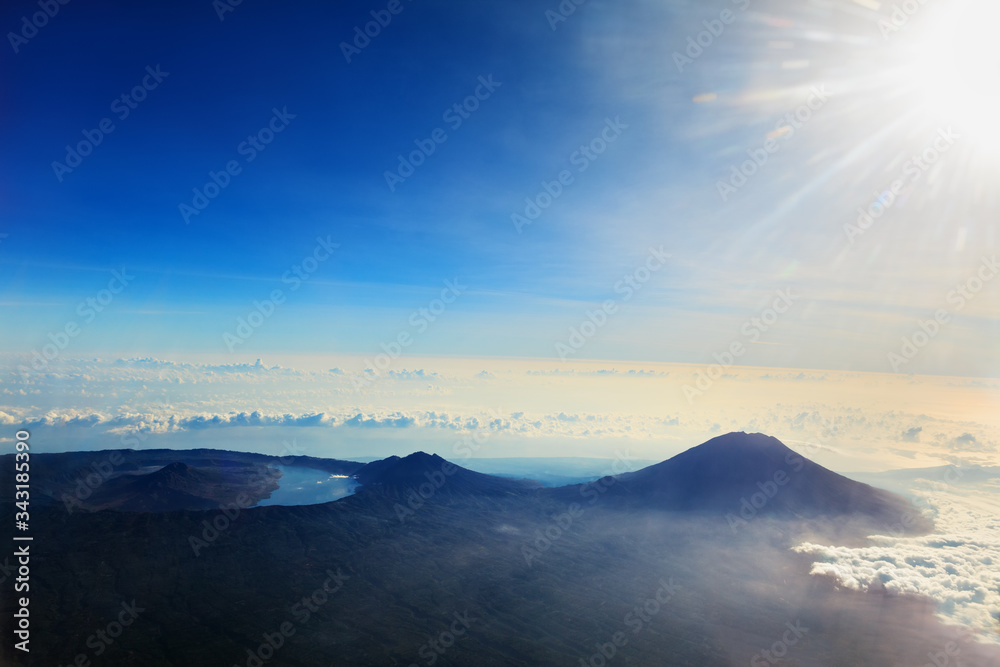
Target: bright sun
[{"x": 952, "y": 56}]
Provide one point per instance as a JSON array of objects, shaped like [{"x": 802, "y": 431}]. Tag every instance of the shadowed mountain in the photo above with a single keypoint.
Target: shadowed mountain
[
  {"x": 746, "y": 474},
  {"x": 525, "y": 579},
  {"x": 88, "y": 481},
  {"x": 429, "y": 474},
  {"x": 178, "y": 486}
]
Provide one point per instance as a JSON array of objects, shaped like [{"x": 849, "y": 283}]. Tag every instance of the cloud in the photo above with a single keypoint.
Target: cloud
[
  {"x": 958, "y": 565},
  {"x": 395, "y": 421},
  {"x": 250, "y": 419},
  {"x": 969, "y": 443},
  {"x": 404, "y": 374},
  {"x": 841, "y": 418},
  {"x": 163, "y": 422},
  {"x": 912, "y": 434}
]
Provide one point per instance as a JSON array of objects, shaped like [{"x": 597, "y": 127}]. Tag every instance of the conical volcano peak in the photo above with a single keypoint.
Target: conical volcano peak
[
  {"x": 740, "y": 440},
  {"x": 421, "y": 457},
  {"x": 717, "y": 476}
]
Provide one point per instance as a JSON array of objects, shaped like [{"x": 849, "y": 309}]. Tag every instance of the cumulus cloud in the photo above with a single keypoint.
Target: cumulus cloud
[
  {"x": 404, "y": 374},
  {"x": 393, "y": 421},
  {"x": 912, "y": 434},
  {"x": 249, "y": 419},
  {"x": 958, "y": 565},
  {"x": 969, "y": 443},
  {"x": 540, "y": 425}
]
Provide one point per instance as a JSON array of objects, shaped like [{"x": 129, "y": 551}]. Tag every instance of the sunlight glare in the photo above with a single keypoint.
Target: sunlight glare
[{"x": 954, "y": 61}]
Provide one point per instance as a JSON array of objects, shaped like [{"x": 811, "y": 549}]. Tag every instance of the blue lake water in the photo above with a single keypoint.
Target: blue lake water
[{"x": 307, "y": 486}]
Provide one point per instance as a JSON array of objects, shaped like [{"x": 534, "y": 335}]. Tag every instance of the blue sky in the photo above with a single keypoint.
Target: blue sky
[{"x": 656, "y": 185}]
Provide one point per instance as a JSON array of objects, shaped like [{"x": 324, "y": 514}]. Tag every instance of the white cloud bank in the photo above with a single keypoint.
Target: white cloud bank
[
  {"x": 849, "y": 421},
  {"x": 958, "y": 566}
]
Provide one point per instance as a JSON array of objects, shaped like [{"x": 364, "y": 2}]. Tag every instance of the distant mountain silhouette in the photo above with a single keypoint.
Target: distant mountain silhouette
[
  {"x": 746, "y": 474},
  {"x": 87, "y": 481},
  {"x": 738, "y": 475},
  {"x": 436, "y": 476}
]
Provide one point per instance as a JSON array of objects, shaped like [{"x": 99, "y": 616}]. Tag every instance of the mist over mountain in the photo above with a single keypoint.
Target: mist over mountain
[{"x": 518, "y": 574}]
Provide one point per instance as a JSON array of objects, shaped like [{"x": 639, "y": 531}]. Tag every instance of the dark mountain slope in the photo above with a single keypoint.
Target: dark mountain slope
[
  {"x": 86, "y": 481},
  {"x": 429, "y": 474},
  {"x": 536, "y": 583},
  {"x": 177, "y": 486},
  {"x": 750, "y": 474}
]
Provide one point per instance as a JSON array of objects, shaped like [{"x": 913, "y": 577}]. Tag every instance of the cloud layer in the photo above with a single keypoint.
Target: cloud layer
[
  {"x": 849, "y": 421},
  {"x": 958, "y": 565}
]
